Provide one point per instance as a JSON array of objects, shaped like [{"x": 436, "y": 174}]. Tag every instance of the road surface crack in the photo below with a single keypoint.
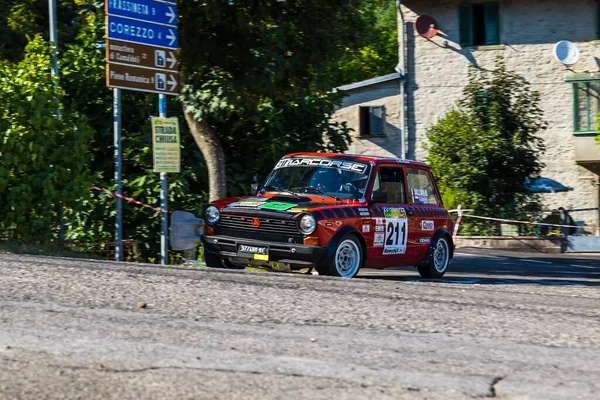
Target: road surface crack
[{"x": 495, "y": 381}]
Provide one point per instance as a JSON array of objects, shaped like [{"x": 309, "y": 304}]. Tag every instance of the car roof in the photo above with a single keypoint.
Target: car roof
[{"x": 361, "y": 157}]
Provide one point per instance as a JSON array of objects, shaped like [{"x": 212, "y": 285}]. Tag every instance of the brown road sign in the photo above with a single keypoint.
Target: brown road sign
[
  {"x": 140, "y": 55},
  {"x": 143, "y": 79}
]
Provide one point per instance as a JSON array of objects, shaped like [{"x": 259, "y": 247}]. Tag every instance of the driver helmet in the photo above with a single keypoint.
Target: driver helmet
[{"x": 327, "y": 180}]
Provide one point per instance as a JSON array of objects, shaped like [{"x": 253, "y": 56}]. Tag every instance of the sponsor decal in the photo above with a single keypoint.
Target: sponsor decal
[
  {"x": 379, "y": 228},
  {"x": 322, "y": 162},
  {"x": 396, "y": 231},
  {"x": 420, "y": 196},
  {"x": 366, "y": 228},
  {"x": 328, "y": 223},
  {"x": 251, "y": 202},
  {"x": 427, "y": 225},
  {"x": 424, "y": 240},
  {"x": 277, "y": 206},
  {"x": 379, "y": 239},
  {"x": 394, "y": 212},
  {"x": 379, "y": 221},
  {"x": 365, "y": 214},
  {"x": 363, "y": 209},
  {"x": 296, "y": 209}
]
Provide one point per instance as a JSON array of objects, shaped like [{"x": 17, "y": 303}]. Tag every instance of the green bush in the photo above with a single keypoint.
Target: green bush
[{"x": 485, "y": 147}]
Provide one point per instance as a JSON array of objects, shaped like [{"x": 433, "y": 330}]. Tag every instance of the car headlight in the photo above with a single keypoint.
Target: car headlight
[
  {"x": 307, "y": 224},
  {"x": 212, "y": 215}
]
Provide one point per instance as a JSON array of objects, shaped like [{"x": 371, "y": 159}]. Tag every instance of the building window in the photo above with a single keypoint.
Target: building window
[
  {"x": 586, "y": 106},
  {"x": 479, "y": 24},
  {"x": 372, "y": 120}
]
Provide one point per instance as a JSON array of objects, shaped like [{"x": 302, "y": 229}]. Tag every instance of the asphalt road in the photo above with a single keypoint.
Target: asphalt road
[{"x": 499, "y": 325}]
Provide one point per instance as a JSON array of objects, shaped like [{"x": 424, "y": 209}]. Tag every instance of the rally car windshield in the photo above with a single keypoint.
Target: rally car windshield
[{"x": 341, "y": 179}]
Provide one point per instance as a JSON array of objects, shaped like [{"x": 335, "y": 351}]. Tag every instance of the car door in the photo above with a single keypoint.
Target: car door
[
  {"x": 425, "y": 213},
  {"x": 391, "y": 231}
]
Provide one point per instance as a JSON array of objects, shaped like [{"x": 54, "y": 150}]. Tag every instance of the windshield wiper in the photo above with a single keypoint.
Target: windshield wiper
[
  {"x": 315, "y": 190},
  {"x": 276, "y": 189}
]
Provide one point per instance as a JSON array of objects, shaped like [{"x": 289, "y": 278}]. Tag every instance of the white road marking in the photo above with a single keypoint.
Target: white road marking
[
  {"x": 582, "y": 266},
  {"x": 481, "y": 255},
  {"x": 535, "y": 261}
]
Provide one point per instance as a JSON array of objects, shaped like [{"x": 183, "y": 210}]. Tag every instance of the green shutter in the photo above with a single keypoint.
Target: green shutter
[
  {"x": 598, "y": 19},
  {"x": 492, "y": 23},
  {"x": 465, "y": 22}
]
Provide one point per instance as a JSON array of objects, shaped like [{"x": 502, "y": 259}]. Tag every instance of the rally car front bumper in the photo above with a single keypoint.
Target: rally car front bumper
[{"x": 261, "y": 252}]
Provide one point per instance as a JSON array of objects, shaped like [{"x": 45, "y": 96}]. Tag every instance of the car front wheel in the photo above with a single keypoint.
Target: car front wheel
[
  {"x": 213, "y": 261},
  {"x": 347, "y": 259},
  {"x": 437, "y": 264}
]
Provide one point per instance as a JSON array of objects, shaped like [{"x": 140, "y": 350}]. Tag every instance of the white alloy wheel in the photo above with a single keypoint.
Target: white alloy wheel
[
  {"x": 348, "y": 258},
  {"x": 441, "y": 256}
]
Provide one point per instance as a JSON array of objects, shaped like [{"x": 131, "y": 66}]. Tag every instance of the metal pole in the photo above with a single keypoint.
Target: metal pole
[
  {"x": 119, "y": 189},
  {"x": 164, "y": 246},
  {"x": 53, "y": 35},
  {"x": 402, "y": 67},
  {"x": 55, "y": 73}
]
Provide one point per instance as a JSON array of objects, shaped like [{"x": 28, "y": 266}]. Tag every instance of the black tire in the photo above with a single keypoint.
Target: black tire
[
  {"x": 347, "y": 259},
  {"x": 438, "y": 262},
  {"x": 213, "y": 261}
]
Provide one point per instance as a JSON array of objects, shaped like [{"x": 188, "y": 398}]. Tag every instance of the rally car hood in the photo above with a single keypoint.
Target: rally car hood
[{"x": 281, "y": 203}]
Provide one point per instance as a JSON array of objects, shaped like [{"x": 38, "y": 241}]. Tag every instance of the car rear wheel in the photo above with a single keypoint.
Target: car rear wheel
[
  {"x": 347, "y": 259},
  {"x": 437, "y": 264}
]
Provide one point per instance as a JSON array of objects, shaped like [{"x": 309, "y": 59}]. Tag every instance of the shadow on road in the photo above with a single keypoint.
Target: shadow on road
[
  {"x": 503, "y": 269},
  {"x": 483, "y": 280}
]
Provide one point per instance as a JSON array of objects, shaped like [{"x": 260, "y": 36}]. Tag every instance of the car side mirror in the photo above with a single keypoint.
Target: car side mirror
[
  {"x": 379, "y": 197},
  {"x": 255, "y": 184}
]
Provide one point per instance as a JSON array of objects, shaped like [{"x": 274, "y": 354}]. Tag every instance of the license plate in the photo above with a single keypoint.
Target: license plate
[{"x": 256, "y": 252}]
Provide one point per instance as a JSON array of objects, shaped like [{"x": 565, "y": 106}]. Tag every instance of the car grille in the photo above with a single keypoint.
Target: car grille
[{"x": 270, "y": 229}]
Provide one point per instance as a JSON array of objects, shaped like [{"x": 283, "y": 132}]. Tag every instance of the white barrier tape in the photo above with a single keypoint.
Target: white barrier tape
[
  {"x": 522, "y": 222},
  {"x": 538, "y": 212},
  {"x": 130, "y": 200}
]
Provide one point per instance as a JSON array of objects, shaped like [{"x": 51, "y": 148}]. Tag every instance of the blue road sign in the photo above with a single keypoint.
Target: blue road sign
[
  {"x": 141, "y": 32},
  {"x": 144, "y": 10}
]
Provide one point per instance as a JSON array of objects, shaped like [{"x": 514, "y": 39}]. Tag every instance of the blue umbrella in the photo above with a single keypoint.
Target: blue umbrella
[{"x": 545, "y": 185}]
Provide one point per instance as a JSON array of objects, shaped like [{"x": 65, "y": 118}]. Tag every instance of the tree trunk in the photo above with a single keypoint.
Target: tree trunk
[{"x": 213, "y": 154}]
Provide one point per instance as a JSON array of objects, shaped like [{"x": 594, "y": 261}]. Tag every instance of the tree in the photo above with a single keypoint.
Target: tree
[
  {"x": 487, "y": 145},
  {"x": 255, "y": 71},
  {"x": 44, "y": 158},
  {"x": 376, "y": 50}
]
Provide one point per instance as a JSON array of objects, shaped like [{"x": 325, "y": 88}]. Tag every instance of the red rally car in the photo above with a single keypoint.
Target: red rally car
[{"x": 336, "y": 213}]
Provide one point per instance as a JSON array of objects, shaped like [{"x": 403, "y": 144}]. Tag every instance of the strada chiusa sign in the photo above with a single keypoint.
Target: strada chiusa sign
[
  {"x": 165, "y": 145},
  {"x": 142, "y": 45}
]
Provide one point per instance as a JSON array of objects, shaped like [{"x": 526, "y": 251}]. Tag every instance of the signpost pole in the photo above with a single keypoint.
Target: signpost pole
[
  {"x": 164, "y": 247},
  {"x": 54, "y": 40},
  {"x": 119, "y": 188}
]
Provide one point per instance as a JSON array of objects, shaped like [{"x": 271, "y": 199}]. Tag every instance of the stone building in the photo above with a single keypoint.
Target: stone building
[{"x": 433, "y": 71}]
